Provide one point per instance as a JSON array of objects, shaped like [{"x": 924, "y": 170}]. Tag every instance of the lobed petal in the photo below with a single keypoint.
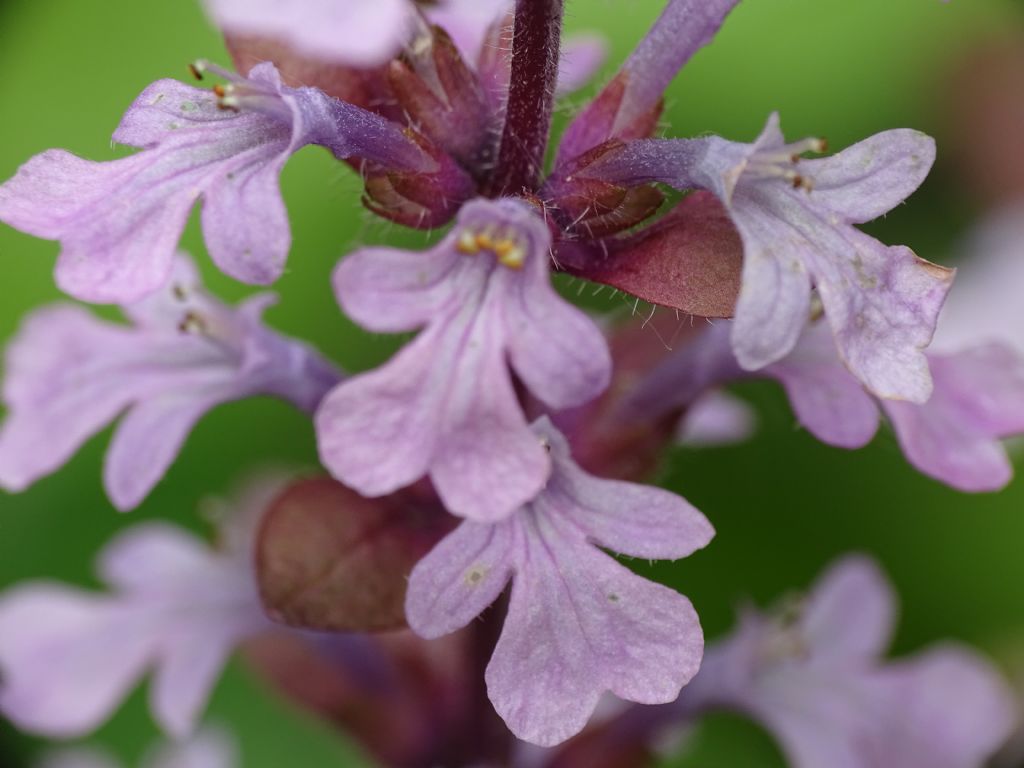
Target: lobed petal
[
  {"x": 955, "y": 436},
  {"x": 583, "y": 56},
  {"x": 245, "y": 222},
  {"x": 949, "y": 709},
  {"x": 775, "y": 293},
  {"x": 389, "y": 290},
  {"x": 872, "y": 177},
  {"x": 828, "y": 401},
  {"x": 69, "y": 657},
  {"x": 66, "y": 379},
  {"x": 349, "y": 32},
  {"x": 850, "y": 615},
  {"x": 629, "y": 518},
  {"x": 579, "y": 624},
  {"x": 715, "y": 419},
  {"x": 148, "y": 440},
  {"x": 461, "y": 577}
]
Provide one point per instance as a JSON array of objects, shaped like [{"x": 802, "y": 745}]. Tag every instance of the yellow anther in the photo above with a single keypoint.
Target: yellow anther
[
  {"x": 467, "y": 243},
  {"x": 510, "y": 253},
  {"x": 193, "y": 323},
  {"x": 507, "y": 250}
]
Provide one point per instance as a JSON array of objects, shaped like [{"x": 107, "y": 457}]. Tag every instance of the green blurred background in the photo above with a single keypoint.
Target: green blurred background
[{"x": 783, "y": 504}]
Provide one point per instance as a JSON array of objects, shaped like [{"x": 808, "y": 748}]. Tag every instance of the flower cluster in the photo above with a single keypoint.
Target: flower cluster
[{"x": 490, "y": 467}]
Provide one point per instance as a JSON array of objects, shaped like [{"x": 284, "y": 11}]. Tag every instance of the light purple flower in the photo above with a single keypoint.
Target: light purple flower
[
  {"x": 210, "y": 748},
  {"x": 119, "y": 222},
  {"x": 986, "y": 304},
  {"x": 812, "y": 675},
  {"x": 69, "y": 374},
  {"x": 955, "y": 437},
  {"x": 795, "y": 217},
  {"x": 716, "y": 418},
  {"x": 826, "y": 399},
  {"x": 446, "y": 405},
  {"x": 367, "y": 34},
  {"x": 355, "y": 32},
  {"x": 578, "y": 622},
  {"x": 174, "y": 606}
]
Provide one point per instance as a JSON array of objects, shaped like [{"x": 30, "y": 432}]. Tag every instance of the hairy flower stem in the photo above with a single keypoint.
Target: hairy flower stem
[{"x": 535, "y": 52}]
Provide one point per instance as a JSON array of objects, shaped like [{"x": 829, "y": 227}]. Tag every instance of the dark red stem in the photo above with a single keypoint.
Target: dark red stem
[{"x": 535, "y": 50}]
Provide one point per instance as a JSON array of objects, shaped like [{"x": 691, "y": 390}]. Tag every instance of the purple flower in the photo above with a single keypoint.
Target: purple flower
[
  {"x": 69, "y": 374},
  {"x": 795, "y": 218},
  {"x": 210, "y": 748},
  {"x": 578, "y": 622},
  {"x": 986, "y": 303},
  {"x": 119, "y": 222},
  {"x": 352, "y": 32},
  {"x": 446, "y": 404},
  {"x": 955, "y": 437},
  {"x": 812, "y": 675},
  {"x": 716, "y": 418},
  {"x": 175, "y": 607}
]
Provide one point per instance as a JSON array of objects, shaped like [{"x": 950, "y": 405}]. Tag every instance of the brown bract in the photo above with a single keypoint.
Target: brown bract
[
  {"x": 690, "y": 260},
  {"x": 329, "y": 559}
]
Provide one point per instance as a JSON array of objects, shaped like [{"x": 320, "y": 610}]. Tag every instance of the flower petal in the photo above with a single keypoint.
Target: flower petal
[
  {"x": 629, "y": 518},
  {"x": 346, "y": 32},
  {"x": 147, "y": 441},
  {"x": 59, "y": 391},
  {"x": 245, "y": 222},
  {"x": 850, "y": 615},
  {"x": 580, "y": 624},
  {"x": 950, "y": 708},
  {"x": 716, "y": 418},
  {"x": 774, "y": 301},
  {"x": 488, "y": 463},
  {"x": 872, "y": 177},
  {"x": 828, "y": 401},
  {"x": 147, "y": 557},
  {"x": 389, "y": 290},
  {"x": 377, "y": 431},
  {"x": 68, "y": 657},
  {"x": 557, "y": 350},
  {"x": 460, "y": 577},
  {"x": 954, "y": 437},
  {"x": 582, "y": 56}
]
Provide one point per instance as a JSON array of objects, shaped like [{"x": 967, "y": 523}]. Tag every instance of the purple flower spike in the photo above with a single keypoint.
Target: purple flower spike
[
  {"x": 119, "y": 222},
  {"x": 446, "y": 405},
  {"x": 795, "y": 217},
  {"x": 811, "y": 674},
  {"x": 69, "y": 374},
  {"x": 578, "y": 623},
  {"x": 70, "y": 656}
]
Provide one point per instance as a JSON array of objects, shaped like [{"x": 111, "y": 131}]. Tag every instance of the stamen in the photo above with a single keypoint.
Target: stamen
[
  {"x": 507, "y": 249},
  {"x": 780, "y": 163},
  {"x": 510, "y": 253},
  {"x": 466, "y": 243},
  {"x": 193, "y": 322},
  {"x": 238, "y": 93},
  {"x": 200, "y": 67}
]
